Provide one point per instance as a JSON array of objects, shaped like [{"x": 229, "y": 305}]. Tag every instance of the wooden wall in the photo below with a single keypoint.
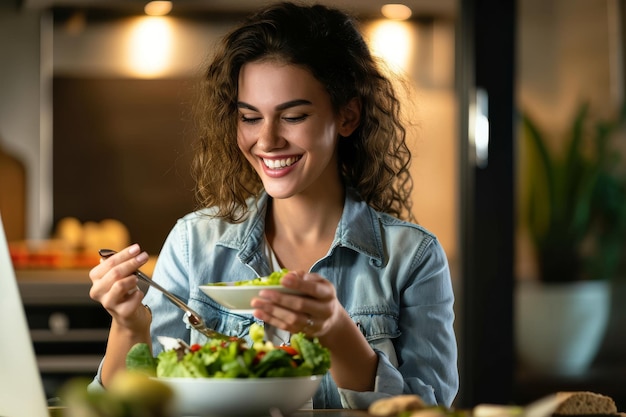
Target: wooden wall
[{"x": 122, "y": 150}]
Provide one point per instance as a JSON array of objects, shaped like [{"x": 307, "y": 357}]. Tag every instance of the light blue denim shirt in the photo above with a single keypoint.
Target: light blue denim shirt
[{"x": 391, "y": 276}]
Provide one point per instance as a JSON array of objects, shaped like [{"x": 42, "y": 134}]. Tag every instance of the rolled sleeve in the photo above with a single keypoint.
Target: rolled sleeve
[
  {"x": 96, "y": 384},
  {"x": 389, "y": 382}
]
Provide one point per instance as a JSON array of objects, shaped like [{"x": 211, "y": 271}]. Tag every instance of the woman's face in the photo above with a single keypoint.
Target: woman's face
[{"x": 287, "y": 128}]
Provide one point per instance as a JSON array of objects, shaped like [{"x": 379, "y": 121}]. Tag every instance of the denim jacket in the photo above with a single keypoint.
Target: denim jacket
[{"x": 391, "y": 276}]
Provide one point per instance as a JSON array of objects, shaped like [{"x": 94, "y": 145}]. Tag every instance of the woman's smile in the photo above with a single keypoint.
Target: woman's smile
[
  {"x": 287, "y": 128},
  {"x": 279, "y": 167},
  {"x": 278, "y": 163}
]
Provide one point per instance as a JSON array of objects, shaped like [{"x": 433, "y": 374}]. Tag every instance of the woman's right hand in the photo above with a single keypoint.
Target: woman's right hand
[{"x": 114, "y": 285}]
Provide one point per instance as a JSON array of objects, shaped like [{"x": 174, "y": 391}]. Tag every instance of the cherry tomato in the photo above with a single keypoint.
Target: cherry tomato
[
  {"x": 258, "y": 357},
  {"x": 289, "y": 350}
]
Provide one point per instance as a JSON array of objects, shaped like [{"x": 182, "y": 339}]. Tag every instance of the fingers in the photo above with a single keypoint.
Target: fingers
[
  {"x": 113, "y": 280},
  {"x": 309, "y": 326},
  {"x": 313, "y": 285},
  {"x": 310, "y": 314},
  {"x": 288, "y": 320},
  {"x": 119, "y": 265}
]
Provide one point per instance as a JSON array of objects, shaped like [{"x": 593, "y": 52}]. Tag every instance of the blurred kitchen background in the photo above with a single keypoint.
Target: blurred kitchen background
[{"x": 95, "y": 134}]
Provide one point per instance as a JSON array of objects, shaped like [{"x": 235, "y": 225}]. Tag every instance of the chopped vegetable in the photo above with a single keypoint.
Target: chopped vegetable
[
  {"x": 235, "y": 359},
  {"x": 140, "y": 358},
  {"x": 272, "y": 279}
]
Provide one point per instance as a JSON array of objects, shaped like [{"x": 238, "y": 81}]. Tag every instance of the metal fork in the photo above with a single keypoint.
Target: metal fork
[{"x": 194, "y": 318}]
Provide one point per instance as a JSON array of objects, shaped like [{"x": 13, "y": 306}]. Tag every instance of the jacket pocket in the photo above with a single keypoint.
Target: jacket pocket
[{"x": 375, "y": 326}]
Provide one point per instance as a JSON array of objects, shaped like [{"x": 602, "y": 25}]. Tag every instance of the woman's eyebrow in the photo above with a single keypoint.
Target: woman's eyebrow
[
  {"x": 243, "y": 105},
  {"x": 282, "y": 106},
  {"x": 293, "y": 103}
]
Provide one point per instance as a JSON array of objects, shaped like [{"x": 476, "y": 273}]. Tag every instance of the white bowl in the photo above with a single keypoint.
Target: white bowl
[
  {"x": 237, "y": 297},
  {"x": 240, "y": 397}
]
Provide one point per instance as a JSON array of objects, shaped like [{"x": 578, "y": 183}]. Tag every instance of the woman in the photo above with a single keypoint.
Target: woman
[{"x": 302, "y": 164}]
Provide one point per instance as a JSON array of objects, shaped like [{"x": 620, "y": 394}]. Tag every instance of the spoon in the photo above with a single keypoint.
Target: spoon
[{"x": 194, "y": 318}]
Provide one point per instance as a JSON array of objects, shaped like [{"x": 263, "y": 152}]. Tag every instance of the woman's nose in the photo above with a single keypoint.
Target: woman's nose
[{"x": 270, "y": 137}]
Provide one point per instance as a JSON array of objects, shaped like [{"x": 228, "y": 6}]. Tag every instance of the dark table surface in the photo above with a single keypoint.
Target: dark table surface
[
  {"x": 330, "y": 413},
  {"x": 58, "y": 412}
]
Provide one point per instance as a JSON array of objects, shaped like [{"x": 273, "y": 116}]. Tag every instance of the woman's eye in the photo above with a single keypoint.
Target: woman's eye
[
  {"x": 295, "y": 119},
  {"x": 249, "y": 119}
]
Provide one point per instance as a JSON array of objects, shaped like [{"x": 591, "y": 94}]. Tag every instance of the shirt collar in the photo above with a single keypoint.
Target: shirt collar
[{"x": 359, "y": 229}]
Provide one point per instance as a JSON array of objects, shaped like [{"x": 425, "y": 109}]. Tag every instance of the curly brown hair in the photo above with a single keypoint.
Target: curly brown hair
[{"x": 374, "y": 159}]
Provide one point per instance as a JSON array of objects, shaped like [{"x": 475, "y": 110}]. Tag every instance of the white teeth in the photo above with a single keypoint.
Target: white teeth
[{"x": 279, "y": 163}]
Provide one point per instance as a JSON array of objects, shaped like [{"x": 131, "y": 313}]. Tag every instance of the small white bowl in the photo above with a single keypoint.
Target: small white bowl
[
  {"x": 237, "y": 297},
  {"x": 239, "y": 397}
]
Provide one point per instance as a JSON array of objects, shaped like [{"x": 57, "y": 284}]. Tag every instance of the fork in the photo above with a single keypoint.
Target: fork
[{"x": 193, "y": 318}]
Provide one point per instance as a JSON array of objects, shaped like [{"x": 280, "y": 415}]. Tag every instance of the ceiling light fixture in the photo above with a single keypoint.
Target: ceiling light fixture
[
  {"x": 396, "y": 11},
  {"x": 158, "y": 8}
]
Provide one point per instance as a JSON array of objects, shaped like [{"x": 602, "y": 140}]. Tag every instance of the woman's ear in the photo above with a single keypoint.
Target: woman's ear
[{"x": 350, "y": 117}]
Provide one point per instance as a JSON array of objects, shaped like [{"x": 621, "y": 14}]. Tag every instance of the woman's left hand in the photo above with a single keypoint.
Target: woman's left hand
[
  {"x": 314, "y": 313},
  {"x": 318, "y": 313}
]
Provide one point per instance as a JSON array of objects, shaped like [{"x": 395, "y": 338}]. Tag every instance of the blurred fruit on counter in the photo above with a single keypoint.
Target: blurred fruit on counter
[{"x": 73, "y": 245}]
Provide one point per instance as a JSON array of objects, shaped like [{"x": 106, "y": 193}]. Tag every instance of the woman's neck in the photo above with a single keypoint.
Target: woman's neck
[{"x": 301, "y": 229}]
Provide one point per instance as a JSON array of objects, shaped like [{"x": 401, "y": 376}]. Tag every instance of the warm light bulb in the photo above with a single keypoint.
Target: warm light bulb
[
  {"x": 150, "y": 46},
  {"x": 158, "y": 8},
  {"x": 396, "y": 11},
  {"x": 392, "y": 41}
]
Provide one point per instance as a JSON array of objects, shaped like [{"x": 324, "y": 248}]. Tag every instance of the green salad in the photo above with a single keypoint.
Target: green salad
[
  {"x": 234, "y": 359},
  {"x": 271, "y": 279}
]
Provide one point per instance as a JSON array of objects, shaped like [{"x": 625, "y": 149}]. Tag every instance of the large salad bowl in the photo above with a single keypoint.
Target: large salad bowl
[
  {"x": 236, "y": 377},
  {"x": 241, "y": 397}
]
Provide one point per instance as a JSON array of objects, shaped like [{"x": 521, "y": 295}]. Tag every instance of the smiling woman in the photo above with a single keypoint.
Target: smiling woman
[{"x": 301, "y": 163}]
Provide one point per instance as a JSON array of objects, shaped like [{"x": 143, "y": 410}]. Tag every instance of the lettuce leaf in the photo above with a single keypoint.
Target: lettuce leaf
[{"x": 140, "y": 359}]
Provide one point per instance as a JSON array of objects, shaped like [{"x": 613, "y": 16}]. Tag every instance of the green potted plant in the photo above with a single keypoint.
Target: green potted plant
[
  {"x": 575, "y": 215},
  {"x": 576, "y": 208}
]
